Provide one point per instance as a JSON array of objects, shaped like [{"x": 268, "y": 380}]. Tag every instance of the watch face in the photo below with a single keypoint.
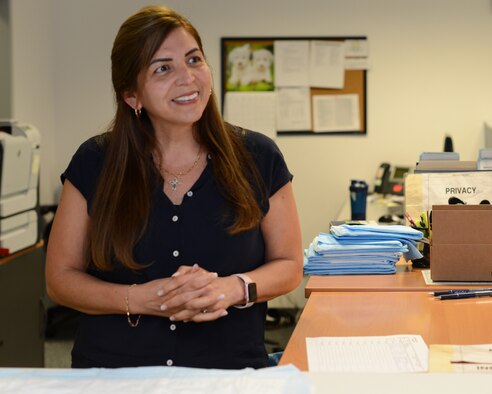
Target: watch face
[{"x": 252, "y": 292}]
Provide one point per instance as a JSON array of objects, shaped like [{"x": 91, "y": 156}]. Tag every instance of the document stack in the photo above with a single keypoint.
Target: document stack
[
  {"x": 361, "y": 249},
  {"x": 485, "y": 159},
  {"x": 443, "y": 162}
]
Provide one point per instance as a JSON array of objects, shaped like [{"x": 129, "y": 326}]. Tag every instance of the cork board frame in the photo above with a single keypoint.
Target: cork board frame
[{"x": 355, "y": 80}]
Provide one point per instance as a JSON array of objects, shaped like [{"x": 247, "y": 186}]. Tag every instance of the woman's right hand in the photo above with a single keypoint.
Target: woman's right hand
[{"x": 187, "y": 284}]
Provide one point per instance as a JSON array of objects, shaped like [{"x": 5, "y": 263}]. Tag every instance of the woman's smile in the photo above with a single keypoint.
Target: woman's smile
[{"x": 186, "y": 98}]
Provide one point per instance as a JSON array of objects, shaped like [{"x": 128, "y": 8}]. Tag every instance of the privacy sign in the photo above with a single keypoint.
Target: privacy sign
[{"x": 444, "y": 188}]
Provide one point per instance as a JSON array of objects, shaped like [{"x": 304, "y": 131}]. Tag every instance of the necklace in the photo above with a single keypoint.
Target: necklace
[{"x": 175, "y": 181}]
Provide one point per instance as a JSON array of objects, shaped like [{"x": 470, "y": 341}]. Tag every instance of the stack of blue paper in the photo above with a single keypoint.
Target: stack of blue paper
[{"x": 361, "y": 249}]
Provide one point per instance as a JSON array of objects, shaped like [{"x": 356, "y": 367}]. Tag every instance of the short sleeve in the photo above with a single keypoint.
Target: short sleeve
[
  {"x": 269, "y": 161},
  {"x": 85, "y": 167}
]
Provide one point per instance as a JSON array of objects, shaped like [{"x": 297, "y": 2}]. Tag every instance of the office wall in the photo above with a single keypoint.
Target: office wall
[
  {"x": 33, "y": 81},
  {"x": 430, "y": 76},
  {"x": 5, "y": 56}
]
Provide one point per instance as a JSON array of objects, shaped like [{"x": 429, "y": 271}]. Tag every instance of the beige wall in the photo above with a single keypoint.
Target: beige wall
[{"x": 430, "y": 76}]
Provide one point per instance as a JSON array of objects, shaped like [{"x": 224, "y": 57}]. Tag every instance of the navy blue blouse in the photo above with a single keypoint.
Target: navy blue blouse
[{"x": 185, "y": 234}]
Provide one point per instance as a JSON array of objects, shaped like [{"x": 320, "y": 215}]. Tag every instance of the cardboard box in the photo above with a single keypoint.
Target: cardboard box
[{"x": 461, "y": 248}]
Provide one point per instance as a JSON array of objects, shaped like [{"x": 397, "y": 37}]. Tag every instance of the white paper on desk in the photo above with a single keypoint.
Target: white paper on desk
[
  {"x": 336, "y": 112},
  {"x": 293, "y": 109},
  {"x": 461, "y": 358},
  {"x": 472, "y": 354},
  {"x": 428, "y": 281},
  {"x": 392, "y": 353},
  {"x": 252, "y": 110},
  {"x": 327, "y": 64},
  {"x": 291, "y": 63}
]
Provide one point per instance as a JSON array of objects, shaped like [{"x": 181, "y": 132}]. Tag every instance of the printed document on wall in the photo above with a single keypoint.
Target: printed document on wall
[
  {"x": 336, "y": 112},
  {"x": 293, "y": 109},
  {"x": 291, "y": 63},
  {"x": 252, "y": 110},
  {"x": 327, "y": 64},
  {"x": 356, "y": 55}
]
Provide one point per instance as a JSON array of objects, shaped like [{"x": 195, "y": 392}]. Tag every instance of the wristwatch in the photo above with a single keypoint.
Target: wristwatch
[{"x": 249, "y": 291}]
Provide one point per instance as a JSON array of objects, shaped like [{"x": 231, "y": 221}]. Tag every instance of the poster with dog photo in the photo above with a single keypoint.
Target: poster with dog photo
[{"x": 249, "y": 66}]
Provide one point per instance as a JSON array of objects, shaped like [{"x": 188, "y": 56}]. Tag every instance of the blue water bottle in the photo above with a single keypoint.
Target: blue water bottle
[{"x": 358, "y": 199}]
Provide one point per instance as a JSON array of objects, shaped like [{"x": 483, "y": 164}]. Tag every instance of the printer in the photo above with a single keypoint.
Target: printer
[{"x": 19, "y": 186}]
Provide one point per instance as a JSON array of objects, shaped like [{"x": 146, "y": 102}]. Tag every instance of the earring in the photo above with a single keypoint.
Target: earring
[{"x": 138, "y": 112}]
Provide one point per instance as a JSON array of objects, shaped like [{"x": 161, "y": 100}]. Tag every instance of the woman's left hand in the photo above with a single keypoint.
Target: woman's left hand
[{"x": 205, "y": 304}]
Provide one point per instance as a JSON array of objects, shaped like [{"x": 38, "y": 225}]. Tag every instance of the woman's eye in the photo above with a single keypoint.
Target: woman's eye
[
  {"x": 161, "y": 69},
  {"x": 194, "y": 59}
]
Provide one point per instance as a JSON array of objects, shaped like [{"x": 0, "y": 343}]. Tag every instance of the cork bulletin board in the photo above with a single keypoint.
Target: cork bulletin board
[{"x": 353, "y": 88}]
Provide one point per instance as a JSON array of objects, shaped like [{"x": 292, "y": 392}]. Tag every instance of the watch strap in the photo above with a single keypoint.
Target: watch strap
[{"x": 246, "y": 280}]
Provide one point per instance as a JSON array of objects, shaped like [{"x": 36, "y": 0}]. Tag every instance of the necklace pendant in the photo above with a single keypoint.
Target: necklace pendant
[{"x": 174, "y": 183}]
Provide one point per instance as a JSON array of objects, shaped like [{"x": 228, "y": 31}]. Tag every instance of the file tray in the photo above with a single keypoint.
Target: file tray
[{"x": 461, "y": 246}]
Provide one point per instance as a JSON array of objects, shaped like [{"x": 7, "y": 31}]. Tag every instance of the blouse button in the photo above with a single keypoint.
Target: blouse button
[
  {"x": 189, "y": 194},
  {"x": 175, "y": 218},
  {"x": 176, "y": 253},
  {"x": 169, "y": 362},
  {"x": 172, "y": 327}
]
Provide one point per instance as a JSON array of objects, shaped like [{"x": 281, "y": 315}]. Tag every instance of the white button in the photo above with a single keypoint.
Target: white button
[
  {"x": 175, "y": 218},
  {"x": 176, "y": 253},
  {"x": 189, "y": 194},
  {"x": 172, "y": 327},
  {"x": 169, "y": 362}
]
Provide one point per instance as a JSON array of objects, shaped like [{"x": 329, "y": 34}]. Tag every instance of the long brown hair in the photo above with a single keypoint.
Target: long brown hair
[{"x": 122, "y": 202}]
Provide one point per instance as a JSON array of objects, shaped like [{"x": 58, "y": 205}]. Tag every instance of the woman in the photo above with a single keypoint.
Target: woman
[{"x": 169, "y": 222}]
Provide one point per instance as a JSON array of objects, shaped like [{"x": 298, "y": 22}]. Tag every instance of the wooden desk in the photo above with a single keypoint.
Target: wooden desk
[
  {"x": 405, "y": 279},
  {"x": 466, "y": 321},
  {"x": 21, "y": 309}
]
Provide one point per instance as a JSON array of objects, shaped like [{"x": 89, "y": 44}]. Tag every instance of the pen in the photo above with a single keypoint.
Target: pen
[
  {"x": 470, "y": 294},
  {"x": 407, "y": 215},
  {"x": 442, "y": 292}
]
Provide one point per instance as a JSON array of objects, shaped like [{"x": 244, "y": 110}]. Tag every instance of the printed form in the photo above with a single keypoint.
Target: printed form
[
  {"x": 392, "y": 353},
  {"x": 252, "y": 110}
]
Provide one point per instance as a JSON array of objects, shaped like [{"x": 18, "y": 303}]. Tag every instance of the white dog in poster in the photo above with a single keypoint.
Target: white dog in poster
[
  {"x": 260, "y": 66},
  {"x": 239, "y": 58}
]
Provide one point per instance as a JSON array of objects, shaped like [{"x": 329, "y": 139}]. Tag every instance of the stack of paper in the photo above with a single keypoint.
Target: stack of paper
[
  {"x": 485, "y": 159},
  {"x": 443, "y": 162},
  {"x": 439, "y": 156},
  {"x": 445, "y": 166},
  {"x": 361, "y": 249}
]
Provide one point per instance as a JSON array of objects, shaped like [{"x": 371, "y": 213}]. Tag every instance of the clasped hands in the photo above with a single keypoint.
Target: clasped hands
[{"x": 193, "y": 294}]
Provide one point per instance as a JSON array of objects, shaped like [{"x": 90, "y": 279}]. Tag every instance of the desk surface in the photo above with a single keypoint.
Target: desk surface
[
  {"x": 405, "y": 279},
  {"x": 466, "y": 321},
  {"x": 9, "y": 258}
]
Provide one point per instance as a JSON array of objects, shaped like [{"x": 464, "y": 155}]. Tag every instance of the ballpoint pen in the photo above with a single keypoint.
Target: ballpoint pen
[
  {"x": 410, "y": 220},
  {"x": 455, "y": 291},
  {"x": 470, "y": 294}
]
